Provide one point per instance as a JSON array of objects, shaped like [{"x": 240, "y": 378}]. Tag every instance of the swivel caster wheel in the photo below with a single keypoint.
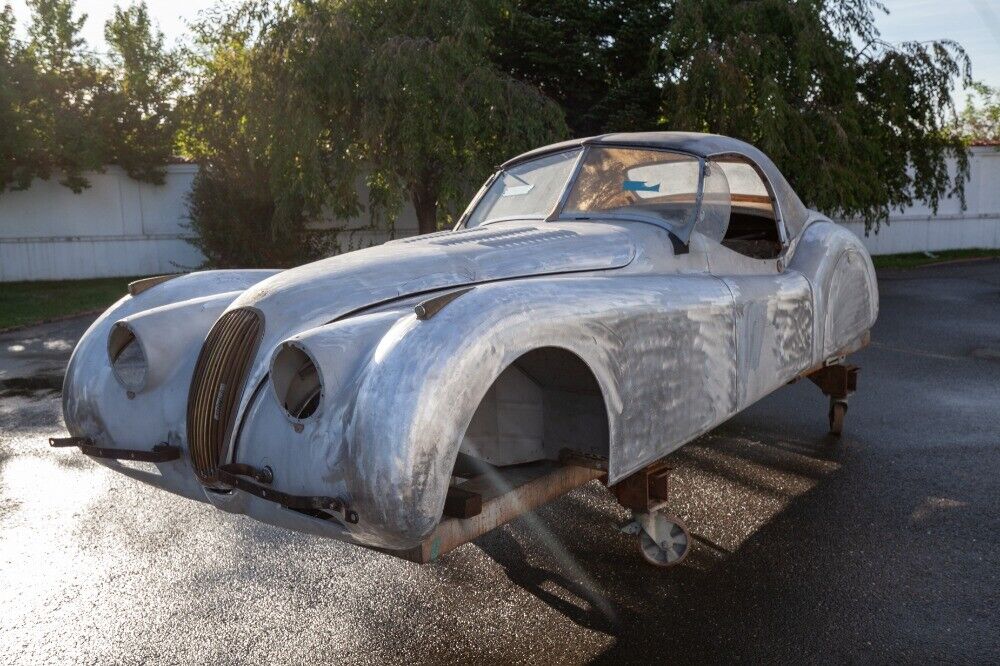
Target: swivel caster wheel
[
  {"x": 663, "y": 539},
  {"x": 838, "y": 410}
]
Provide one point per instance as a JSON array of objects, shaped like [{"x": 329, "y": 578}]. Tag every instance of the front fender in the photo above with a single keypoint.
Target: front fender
[
  {"x": 425, "y": 380},
  {"x": 655, "y": 340},
  {"x": 96, "y": 406}
]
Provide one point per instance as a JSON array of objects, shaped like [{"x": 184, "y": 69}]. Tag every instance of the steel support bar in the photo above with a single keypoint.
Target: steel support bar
[
  {"x": 647, "y": 488},
  {"x": 236, "y": 474},
  {"x": 159, "y": 453},
  {"x": 505, "y": 496}
]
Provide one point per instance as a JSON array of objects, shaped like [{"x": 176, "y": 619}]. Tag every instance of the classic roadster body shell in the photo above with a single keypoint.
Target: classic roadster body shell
[{"x": 611, "y": 337}]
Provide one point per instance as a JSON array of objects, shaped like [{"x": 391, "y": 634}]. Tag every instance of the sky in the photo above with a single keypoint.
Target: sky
[
  {"x": 171, "y": 16},
  {"x": 975, "y": 24}
]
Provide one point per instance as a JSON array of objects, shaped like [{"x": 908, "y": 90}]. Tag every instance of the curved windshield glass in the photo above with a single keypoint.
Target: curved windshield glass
[
  {"x": 526, "y": 191},
  {"x": 670, "y": 189},
  {"x": 631, "y": 182}
]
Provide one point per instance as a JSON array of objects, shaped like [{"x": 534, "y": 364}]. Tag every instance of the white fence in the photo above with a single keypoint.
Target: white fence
[
  {"x": 122, "y": 227},
  {"x": 118, "y": 226},
  {"x": 917, "y": 229}
]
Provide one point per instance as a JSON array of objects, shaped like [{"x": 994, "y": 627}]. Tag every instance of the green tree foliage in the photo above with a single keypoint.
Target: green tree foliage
[
  {"x": 246, "y": 204},
  {"x": 858, "y": 131},
  {"x": 601, "y": 60},
  {"x": 406, "y": 91},
  {"x": 60, "y": 96},
  {"x": 288, "y": 103},
  {"x": 15, "y": 130},
  {"x": 859, "y": 126},
  {"x": 145, "y": 79},
  {"x": 65, "y": 111},
  {"x": 294, "y": 104},
  {"x": 979, "y": 121}
]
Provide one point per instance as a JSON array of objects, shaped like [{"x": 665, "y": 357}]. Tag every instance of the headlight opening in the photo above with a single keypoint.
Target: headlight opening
[
  {"x": 128, "y": 361},
  {"x": 298, "y": 386}
]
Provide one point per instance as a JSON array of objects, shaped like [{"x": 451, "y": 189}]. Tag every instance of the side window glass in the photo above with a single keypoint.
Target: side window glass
[{"x": 713, "y": 216}]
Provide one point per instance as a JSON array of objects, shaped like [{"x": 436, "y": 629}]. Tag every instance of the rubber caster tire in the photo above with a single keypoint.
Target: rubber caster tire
[
  {"x": 838, "y": 410},
  {"x": 669, "y": 544}
]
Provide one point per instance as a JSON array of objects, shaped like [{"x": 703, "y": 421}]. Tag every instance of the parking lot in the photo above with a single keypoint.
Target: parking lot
[{"x": 882, "y": 546}]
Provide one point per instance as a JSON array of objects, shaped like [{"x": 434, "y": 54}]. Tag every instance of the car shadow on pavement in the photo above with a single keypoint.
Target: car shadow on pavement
[
  {"x": 838, "y": 558},
  {"x": 574, "y": 600},
  {"x": 754, "y": 474}
]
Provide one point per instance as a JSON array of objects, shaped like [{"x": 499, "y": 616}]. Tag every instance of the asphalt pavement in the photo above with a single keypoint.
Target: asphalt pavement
[{"x": 882, "y": 546}]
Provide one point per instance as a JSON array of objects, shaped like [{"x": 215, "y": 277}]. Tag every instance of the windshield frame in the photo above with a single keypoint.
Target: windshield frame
[
  {"x": 557, "y": 214},
  {"x": 500, "y": 173}
]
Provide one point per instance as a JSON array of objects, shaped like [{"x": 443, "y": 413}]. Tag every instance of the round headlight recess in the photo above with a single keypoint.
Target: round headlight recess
[
  {"x": 128, "y": 361},
  {"x": 296, "y": 381}
]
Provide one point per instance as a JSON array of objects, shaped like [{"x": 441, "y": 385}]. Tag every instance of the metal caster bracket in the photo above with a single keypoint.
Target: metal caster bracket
[
  {"x": 662, "y": 538},
  {"x": 838, "y": 381}
]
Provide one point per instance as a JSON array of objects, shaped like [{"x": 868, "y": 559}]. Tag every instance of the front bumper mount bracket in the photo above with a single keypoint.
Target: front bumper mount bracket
[
  {"x": 159, "y": 453},
  {"x": 239, "y": 476}
]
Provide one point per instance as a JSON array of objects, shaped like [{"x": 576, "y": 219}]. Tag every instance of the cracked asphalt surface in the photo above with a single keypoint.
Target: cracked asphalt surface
[{"x": 880, "y": 547}]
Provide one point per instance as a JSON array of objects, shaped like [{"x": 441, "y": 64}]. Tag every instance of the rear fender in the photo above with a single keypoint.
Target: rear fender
[{"x": 844, "y": 287}]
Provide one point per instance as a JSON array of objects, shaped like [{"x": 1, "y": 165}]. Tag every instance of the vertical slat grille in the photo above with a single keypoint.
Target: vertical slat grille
[{"x": 219, "y": 378}]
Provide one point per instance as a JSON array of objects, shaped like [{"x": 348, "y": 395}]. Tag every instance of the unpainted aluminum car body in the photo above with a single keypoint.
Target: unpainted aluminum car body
[{"x": 613, "y": 335}]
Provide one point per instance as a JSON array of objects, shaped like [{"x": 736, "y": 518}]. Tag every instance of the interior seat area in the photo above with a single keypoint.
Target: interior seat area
[{"x": 752, "y": 233}]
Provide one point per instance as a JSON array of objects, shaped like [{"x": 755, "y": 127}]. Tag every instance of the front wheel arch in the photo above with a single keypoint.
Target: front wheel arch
[
  {"x": 546, "y": 400},
  {"x": 420, "y": 390}
]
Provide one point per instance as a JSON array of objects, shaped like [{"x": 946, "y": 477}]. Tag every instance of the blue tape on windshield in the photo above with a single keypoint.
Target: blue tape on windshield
[{"x": 639, "y": 186}]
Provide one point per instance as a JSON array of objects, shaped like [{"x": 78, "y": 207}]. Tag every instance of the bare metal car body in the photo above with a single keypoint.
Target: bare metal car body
[{"x": 361, "y": 377}]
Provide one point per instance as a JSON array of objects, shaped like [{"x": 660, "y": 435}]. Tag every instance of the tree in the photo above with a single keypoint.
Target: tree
[
  {"x": 65, "y": 111},
  {"x": 61, "y": 95},
  {"x": 858, "y": 131},
  {"x": 15, "y": 132},
  {"x": 294, "y": 104},
  {"x": 600, "y": 60},
  {"x": 858, "y": 125},
  {"x": 406, "y": 93},
  {"x": 139, "y": 115},
  {"x": 979, "y": 121},
  {"x": 245, "y": 203}
]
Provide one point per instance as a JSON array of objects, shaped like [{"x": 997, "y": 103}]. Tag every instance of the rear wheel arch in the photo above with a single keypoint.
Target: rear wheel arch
[{"x": 851, "y": 300}]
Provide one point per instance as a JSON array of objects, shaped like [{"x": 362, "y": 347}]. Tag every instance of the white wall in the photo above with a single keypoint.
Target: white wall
[
  {"x": 120, "y": 226},
  {"x": 917, "y": 229}
]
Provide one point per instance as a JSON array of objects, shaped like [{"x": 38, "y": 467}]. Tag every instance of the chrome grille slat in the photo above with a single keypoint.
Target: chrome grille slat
[
  {"x": 202, "y": 413},
  {"x": 224, "y": 361}
]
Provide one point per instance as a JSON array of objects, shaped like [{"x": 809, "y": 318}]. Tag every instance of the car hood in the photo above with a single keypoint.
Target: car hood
[
  {"x": 303, "y": 298},
  {"x": 317, "y": 293}
]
